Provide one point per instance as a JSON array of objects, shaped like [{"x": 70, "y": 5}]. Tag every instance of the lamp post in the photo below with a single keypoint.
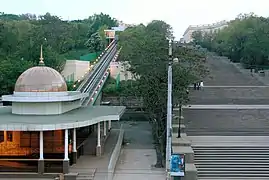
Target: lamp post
[{"x": 169, "y": 113}]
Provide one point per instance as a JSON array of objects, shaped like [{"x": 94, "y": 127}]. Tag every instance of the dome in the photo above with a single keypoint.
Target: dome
[{"x": 40, "y": 79}]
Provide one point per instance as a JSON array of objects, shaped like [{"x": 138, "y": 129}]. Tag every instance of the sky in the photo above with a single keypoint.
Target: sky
[{"x": 178, "y": 13}]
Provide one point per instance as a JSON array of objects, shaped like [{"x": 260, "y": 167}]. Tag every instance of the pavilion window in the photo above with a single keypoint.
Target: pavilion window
[
  {"x": 49, "y": 141},
  {"x": 2, "y": 136},
  {"x": 29, "y": 139},
  {"x": 10, "y": 136}
]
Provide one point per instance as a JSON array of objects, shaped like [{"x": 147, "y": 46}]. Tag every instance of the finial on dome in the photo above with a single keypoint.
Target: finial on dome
[{"x": 41, "y": 62}]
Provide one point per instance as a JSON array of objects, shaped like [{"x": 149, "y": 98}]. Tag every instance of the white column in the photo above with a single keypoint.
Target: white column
[
  {"x": 98, "y": 134},
  {"x": 104, "y": 128},
  {"x": 41, "y": 146},
  {"x": 5, "y": 136},
  {"x": 74, "y": 140},
  {"x": 66, "y": 145},
  {"x": 109, "y": 125}
]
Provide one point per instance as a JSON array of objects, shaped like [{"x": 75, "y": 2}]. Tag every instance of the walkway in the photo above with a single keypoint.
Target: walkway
[
  {"x": 138, "y": 155},
  {"x": 228, "y": 124},
  {"x": 97, "y": 167},
  {"x": 234, "y": 88}
]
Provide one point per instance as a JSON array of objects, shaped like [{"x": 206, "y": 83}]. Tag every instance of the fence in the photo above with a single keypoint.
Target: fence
[
  {"x": 70, "y": 78},
  {"x": 90, "y": 57}
]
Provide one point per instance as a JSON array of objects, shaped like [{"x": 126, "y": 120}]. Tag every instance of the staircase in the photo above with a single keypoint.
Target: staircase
[
  {"x": 234, "y": 162},
  {"x": 85, "y": 176}
]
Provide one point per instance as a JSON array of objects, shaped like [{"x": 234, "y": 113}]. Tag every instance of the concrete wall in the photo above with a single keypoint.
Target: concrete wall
[
  {"x": 44, "y": 108},
  {"x": 77, "y": 67},
  {"x": 98, "y": 99},
  {"x": 115, "y": 154},
  {"x": 206, "y": 28},
  {"x": 120, "y": 68}
]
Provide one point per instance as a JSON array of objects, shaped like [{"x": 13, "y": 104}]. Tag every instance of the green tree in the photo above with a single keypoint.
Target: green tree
[
  {"x": 98, "y": 20},
  {"x": 245, "y": 40},
  {"x": 95, "y": 43},
  {"x": 22, "y": 35},
  {"x": 146, "y": 49}
]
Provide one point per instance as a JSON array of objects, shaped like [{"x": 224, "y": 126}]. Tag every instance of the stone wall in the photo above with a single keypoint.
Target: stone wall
[{"x": 129, "y": 102}]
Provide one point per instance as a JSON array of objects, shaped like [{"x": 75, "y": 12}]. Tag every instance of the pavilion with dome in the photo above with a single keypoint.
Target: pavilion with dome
[{"x": 46, "y": 125}]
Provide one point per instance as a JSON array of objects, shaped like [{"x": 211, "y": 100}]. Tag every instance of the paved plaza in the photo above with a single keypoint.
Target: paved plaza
[
  {"x": 138, "y": 155},
  {"x": 227, "y": 123}
]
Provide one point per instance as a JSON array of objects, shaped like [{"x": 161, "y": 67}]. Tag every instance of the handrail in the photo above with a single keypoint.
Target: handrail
[
  {"x": 100, "y": 57},
  {"x": 103, "y": 77},
  {"x": 96, "y": 66},
  {"x": 96, "y": 79},
  {"x": 115, "y": 154}
]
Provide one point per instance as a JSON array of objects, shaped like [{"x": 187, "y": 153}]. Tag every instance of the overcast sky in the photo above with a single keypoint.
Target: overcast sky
[{"x": 178, "y": 13}]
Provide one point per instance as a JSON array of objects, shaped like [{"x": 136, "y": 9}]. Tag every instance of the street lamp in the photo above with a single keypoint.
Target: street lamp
[{"x": 169, "y": 112}]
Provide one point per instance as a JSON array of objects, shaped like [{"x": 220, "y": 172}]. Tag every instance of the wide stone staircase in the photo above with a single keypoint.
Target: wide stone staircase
[
  {"x": 237, "y": 162},
  {"x": 231, "y": 157},
  {"x": 228, "y": 144}
]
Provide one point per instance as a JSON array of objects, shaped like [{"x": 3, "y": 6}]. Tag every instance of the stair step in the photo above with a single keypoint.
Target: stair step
[
  {"x": 230, "y": 148},
  {"x": 232, "y": 178},
  {"x": 231, "y": 159},
  {"x": 231, "y": 155},
  {"x": 85, "y": 177},
  {"x": 224, "y": 166},
  {"x": 237, "y": 161},
  {"x": 236, "y": 172}
]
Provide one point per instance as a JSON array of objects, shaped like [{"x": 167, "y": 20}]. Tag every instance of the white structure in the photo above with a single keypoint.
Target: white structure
[
  {"x": 77, "y": 67},
  {"x": 121, "y": 68},
  {"x": 41, "y": 90},
  {"x": 187, "y": 36},
  {"x": 41, "y": 103}
]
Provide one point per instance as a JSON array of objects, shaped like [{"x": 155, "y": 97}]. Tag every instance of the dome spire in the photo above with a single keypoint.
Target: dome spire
[{"x": 41, "y": 62}]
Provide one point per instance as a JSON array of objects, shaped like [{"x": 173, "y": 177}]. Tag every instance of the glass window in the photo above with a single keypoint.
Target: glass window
[
  {"x": 10, "y": 136},
  {"x": 2, "y": 136}
]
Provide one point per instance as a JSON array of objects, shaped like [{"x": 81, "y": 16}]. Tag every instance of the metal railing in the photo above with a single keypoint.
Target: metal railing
[
  {"x": 97, "y": 85},
  {"x": 84, "y": 83},
  {"x": 89, "y": 84}
]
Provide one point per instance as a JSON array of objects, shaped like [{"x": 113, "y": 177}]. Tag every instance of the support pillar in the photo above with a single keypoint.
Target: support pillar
[
  {"x": 109, "y": 125},
  {"x": 180, "y": 121},
  {"x": 105, "y": 128},
  {"x": 74, "y": 147},
  {"x": 66, "y": 159},
  {"x": 98, "y": 147},
  {"x": 5, "y": 137},
  {"x": 41, "y": 163}
]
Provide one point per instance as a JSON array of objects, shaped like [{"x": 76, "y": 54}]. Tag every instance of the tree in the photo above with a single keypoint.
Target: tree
[
  {"x": 94, "y": 43},
  {"x": 22, "y": 35},
  {"x": 197, "y": 37},
  {"x": 245, "y": 40},
  {"x": 146, "y": 49},
  {"x": 98, "y": 20}
]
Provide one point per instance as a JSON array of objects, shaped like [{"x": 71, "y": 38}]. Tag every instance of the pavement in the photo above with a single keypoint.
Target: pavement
[
  {"x": 97, "y": 167},
  {"x": 215, "y": 109},
  {"x": 138, "y": 155},
  {"x": 224, "y": 106},
  {"x": 27, "y": 178},
  {"x": 223, "y": 141}
]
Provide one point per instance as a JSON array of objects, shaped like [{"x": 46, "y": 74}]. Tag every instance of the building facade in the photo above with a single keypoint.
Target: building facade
[
  {"x": 206, "y": 28},
  {"x": 46, "y": 128}
]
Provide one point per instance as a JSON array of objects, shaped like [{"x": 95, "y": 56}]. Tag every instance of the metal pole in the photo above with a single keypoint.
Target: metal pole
[
  {"x": 179, "y": 121},
  {"x": 169, "y": 113}
]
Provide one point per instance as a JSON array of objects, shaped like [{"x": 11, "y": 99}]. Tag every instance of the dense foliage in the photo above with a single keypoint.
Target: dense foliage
[
  {"x": 22, "y": 35},
  {"x": 245, "y": 40},
  {"x": 146, "y": 49}
]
